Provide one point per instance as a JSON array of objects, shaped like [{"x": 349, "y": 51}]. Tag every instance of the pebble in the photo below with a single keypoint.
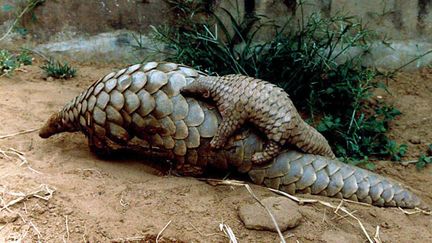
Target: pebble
[
  {"x": 68, "y": 211},
  {"x": 385, "y": 225},
  {"x": 331, "y": 236},
  {"x": 415, "y": 140},
  {"x": 38, "y": 209},
  {"x": 286, "y": 213},
  {"x": 7, "y": 217},
  {"x": 78, "y": 230}
]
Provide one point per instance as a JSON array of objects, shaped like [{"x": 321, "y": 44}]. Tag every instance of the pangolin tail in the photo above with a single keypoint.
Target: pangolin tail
[{"x": 311, "y": 141}]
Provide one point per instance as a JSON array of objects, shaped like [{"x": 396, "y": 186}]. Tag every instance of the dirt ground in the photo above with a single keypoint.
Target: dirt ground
[{"x": 96, "y": 200}]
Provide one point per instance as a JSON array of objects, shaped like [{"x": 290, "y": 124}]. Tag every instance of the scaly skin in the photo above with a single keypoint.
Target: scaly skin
[
  {"x": 242, "y": 99},
  {"x": 141, "y": 108}
]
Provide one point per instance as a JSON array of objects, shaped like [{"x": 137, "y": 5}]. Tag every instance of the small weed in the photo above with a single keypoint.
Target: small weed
[
  {"x": 425, "y": 159},
  {"x": 57, "y": 69},
  {"x": 9, "y": 61},
  {"x": 25, "y": 58},
  {"x": 336, "y": 93},
  {"x": 395, "y": 151}
]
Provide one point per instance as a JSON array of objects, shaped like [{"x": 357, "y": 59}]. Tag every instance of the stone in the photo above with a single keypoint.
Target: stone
[
  {"x": 285, "y": 211},
  {"x": 336, "y": 236},
  {"x": 8, "y": 217},
  {"x": 415, "y": 140}
]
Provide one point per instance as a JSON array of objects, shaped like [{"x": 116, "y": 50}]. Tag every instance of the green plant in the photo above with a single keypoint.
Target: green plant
[
  {"x": 25, "y": 58},
  {"x": 424, "y": 159},
  {"x": 9, "y": 61},
  {"x": 57, "y": 69},
  {"x": 314, "y": 62},
  {"x": 394, "y": 150},
  {"x": 29, "y": 6}
]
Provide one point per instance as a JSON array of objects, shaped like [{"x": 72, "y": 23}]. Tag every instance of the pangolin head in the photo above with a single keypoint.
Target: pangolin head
[{"x": 53, "y": 126}]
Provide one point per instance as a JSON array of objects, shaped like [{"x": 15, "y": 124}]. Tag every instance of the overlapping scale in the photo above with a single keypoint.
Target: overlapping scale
[
  {"x": 155, "y": 80},
  {"x": 195, "y": 116}
]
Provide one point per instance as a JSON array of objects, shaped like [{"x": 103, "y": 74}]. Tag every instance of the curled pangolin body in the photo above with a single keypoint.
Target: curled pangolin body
[
  {"x": 141, "y": 107},
  {"x": 243, "y": 99}
]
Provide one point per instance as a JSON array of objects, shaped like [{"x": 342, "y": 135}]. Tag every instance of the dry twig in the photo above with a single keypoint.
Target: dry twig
[
  {"x": 20, "y": 155},
  {"x": 43, "y": 192},
  {"x": 36, "y": 230},
  {"x": 249, "y": 189},
  {"x": 127, "y": 239},
  {"x": 228, "y": 232},
  {"x": 18, "y": 133},
  {"x": 415, "y": 211},
  {"x": 339, "y": 207},
  {"x": 377, "y": 236},
  {"x": 204, "y": 235},
  {"x": 67, "y": 228},
  {"x": 163, "y": 229}
]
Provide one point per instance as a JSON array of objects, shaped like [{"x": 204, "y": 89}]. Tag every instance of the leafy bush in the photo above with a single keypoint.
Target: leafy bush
[
  {"x": 9, "y": 61},
  {"x": 314, "y": 63},
  {"x": 57, "y": 69}
]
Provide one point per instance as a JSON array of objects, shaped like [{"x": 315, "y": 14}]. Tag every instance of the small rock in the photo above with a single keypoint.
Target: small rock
[
  {"x": 50, "y": 79},
  {"x": 332, "y": 236},
  {"x": 415, "y": 140},
  {"x": 385, "y": 225},
  {"x": 286, "y": 213},
  {"x": 38, "y": 209},
  {"x": 68, "y": 211},
  {"x": 78, "y": 230},
  {"x": 7, "y": 217}
]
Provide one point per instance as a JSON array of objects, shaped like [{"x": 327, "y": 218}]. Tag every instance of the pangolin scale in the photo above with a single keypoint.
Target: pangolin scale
[
  {"x": 141, "y": 107},
  {"x": 241, "y": 99}
]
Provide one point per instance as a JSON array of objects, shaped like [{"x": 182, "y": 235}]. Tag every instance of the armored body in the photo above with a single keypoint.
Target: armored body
[{"x": 141, "y": 107}]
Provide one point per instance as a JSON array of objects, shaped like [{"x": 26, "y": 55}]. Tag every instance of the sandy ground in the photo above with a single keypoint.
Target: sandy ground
[{"x": 102, "y": 201}]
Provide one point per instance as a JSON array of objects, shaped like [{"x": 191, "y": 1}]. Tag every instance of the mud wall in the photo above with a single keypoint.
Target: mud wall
[
  {"x": 104, "y": 27},
  {"x": 63, "y": 19},
  {"x": 396, "y": 19}
]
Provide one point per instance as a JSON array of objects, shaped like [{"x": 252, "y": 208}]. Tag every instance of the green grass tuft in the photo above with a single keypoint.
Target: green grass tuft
[{"x": 59, "y": 70}]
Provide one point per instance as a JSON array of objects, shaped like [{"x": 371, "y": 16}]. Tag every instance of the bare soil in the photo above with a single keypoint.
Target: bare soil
[{"x": 101, "y": 201}]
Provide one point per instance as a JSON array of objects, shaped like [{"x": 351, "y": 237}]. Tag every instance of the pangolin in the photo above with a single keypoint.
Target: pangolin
[
  {"x": 141, "y": 108},
  {"x": 242, "y": 99}
]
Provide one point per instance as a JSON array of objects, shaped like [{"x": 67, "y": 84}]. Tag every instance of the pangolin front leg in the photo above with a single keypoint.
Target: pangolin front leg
[{"x": 228, "y": 126}]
